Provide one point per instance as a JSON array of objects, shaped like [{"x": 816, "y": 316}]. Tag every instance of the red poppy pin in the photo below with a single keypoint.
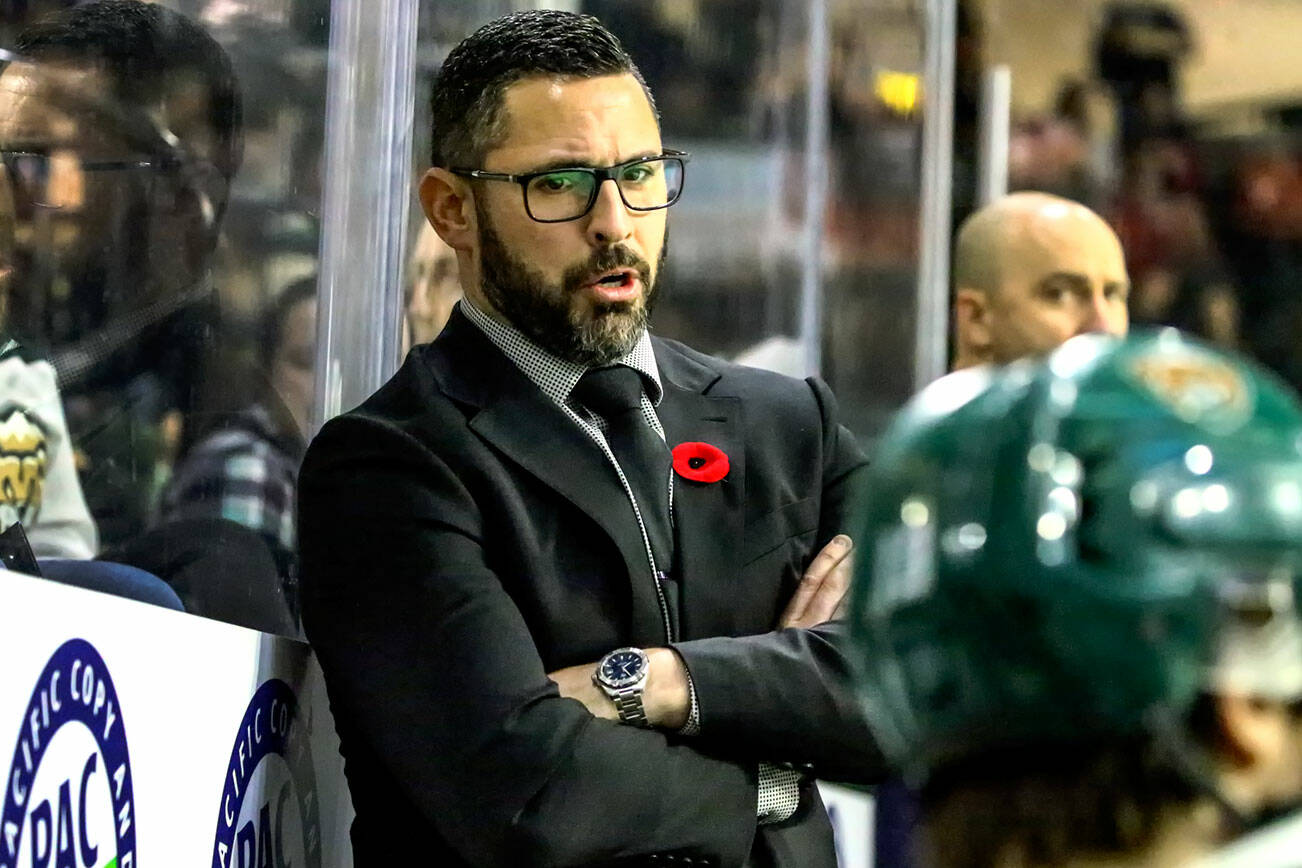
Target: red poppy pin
[{"x": 700, "y": 462}]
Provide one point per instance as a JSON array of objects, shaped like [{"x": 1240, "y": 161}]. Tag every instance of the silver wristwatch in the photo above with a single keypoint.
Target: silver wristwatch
[{"x": 622, "y": 675}]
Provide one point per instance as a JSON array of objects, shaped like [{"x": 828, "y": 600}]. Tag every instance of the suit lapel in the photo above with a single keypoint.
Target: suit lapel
[
  {"x": 707, "y": 516},
  {"x": 525, "y": 425}
]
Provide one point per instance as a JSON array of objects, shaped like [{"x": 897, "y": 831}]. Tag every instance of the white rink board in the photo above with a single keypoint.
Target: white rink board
[
  {"x": 852, "y": 820},
  {"x": 183, "y": 685}
]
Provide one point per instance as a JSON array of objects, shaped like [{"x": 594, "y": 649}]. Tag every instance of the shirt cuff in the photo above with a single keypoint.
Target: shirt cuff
[
  {"x": 779, "y": 787},
  {"x": 779, "y": 794}
]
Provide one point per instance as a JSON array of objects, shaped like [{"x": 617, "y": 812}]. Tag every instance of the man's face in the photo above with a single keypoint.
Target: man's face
[
  {"x": 63, "y": 210},
  {"x": 434, "y": 290},
  {"x": 1063, "y": 274},
  {"x": 582, "y": 289},
  {"x": 90, "y": 200}
]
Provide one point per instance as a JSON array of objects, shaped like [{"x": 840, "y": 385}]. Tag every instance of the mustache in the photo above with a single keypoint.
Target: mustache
[{"x": 603, "y": 260}]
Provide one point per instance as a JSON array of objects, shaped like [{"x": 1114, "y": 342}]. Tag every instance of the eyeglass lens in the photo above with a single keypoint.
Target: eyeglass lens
[
  {"x": 35, "y": 181},
  {"x": 567, "y": 194},
  {"x": 58, "y": 179}
]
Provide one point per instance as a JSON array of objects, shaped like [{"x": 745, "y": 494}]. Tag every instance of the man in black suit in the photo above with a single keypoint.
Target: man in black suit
[{"x": 542, "y": 645}]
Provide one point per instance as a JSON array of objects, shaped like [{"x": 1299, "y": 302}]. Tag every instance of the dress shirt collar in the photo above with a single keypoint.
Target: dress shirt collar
[{"x": 557, "y": 377}]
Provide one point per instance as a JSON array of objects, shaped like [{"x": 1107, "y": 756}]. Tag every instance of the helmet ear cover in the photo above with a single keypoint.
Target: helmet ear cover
[{"x": 1046, "y": 549}]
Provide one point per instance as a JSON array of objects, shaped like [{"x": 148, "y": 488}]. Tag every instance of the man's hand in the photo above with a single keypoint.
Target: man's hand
[
  {"x": 575, "y": 682},
  {"x": 822, "y": 593},
  {"x": 665, "y": 698}
]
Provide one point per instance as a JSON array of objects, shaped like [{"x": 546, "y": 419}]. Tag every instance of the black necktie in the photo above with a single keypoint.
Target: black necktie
[{"x": 615, "y": 394}]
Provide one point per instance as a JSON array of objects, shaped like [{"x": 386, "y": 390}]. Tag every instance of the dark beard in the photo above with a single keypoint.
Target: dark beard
[{"x": 544, "y": 312}]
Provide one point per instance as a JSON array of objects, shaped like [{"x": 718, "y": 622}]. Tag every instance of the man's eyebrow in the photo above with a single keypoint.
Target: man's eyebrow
[
  {"x": 1075, "y": 279},
  {"x": 1121, "y": 286},
  {"x": 579, "y": 163}
]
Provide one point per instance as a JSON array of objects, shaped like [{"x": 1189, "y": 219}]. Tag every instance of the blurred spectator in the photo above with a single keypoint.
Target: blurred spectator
[
  {"x": 246, "y": 468},
  {"x": 1180, "y": 277},
  {"x": 1262, "y": 236},
  {"x": 40, "y": 495},
  {"x": 38, "y": 480},
  {"x": 1269, "y": 193},
  {"x": 120, "y": 129},
  {"x": 1138, "y": 53},
  {"x": 1048, "y": 154},
  {"x": 1030, "y": 271},
  {"x": 121, "y": 135},
  {"x": 1069, "y": 152},
  {"x": 433, "y": 290}
]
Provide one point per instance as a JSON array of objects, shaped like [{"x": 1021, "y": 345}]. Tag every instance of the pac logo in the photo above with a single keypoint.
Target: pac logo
[
  {"x": 268, "y": 816},
  {"x": 24, "y": 456},
  {"x": 68, "y": 800}
]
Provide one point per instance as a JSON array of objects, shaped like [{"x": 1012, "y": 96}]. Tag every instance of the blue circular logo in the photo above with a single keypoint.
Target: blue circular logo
[
  {"x": 270, "y": 772},
  {"x": 68, "y": 798}
]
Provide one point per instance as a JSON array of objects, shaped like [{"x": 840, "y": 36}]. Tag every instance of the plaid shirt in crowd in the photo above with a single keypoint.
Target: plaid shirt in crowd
[{"x": 246, "y": 471}]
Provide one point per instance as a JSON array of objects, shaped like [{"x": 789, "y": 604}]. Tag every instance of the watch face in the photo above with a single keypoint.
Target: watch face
[{"x": 623, "y": 667}]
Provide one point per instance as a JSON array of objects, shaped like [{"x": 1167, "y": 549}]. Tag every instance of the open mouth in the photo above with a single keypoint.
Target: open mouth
[
  {"x": 620, "y": 286},
  {"x": 621, "y": 279}
]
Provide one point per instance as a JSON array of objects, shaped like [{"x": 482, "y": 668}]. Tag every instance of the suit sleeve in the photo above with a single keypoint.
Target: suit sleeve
[
  {"x": 786, "y": 696},
  {"x": 430, "y": 664}
]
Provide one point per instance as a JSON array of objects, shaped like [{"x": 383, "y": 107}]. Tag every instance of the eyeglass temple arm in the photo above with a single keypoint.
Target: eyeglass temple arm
[{"x": 485, "y": 176}]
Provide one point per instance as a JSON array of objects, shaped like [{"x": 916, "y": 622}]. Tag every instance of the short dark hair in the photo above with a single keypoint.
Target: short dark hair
[
  {"x": 144, "y": 48},
  {"x": 466, "y": 100},
  {"x": 1062, "y": 800}
]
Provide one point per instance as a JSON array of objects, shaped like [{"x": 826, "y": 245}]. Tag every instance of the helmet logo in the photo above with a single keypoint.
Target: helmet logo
[{"x": 1198, "y": 387}]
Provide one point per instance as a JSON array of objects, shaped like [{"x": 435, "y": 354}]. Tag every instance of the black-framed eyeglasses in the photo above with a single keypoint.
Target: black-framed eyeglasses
[
  {"x": 35, "y": 163},
  {"x": 561, "y": 195},
  {"x": 30, "y": 171}
]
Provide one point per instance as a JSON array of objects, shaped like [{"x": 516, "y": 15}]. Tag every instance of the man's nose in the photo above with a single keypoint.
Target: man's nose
[
  {"x": 1097, "y": 315},
  {"x": 609, "y": 221}
]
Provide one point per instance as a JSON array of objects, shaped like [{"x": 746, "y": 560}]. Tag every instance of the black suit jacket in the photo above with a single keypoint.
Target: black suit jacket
[{"x": 461, "y": 537}]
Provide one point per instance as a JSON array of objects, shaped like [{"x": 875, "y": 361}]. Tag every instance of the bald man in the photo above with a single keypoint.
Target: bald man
[{"x": 1030, "y": 271}]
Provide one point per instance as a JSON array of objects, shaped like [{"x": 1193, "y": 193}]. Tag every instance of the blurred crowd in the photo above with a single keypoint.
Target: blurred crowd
[
  {"x": 159, "y": 232},
  {"x": 1208, "y": 215},
  {"x": 163, "y": 307},
  {"x": 159, "y": 224}
]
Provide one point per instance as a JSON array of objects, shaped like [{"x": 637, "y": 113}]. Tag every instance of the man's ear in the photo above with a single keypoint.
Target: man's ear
[
  {"x": 1253, "y": 733},
  {"x": 450, "y": 208},
  {"x": 1259, "y": 751},
  {"x": 972, "y": 340}
]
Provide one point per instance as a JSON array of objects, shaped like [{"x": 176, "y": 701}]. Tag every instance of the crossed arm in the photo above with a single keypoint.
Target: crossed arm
[
  {"x": 666, "y": 697},
  {"x": 433, "y": 671}
]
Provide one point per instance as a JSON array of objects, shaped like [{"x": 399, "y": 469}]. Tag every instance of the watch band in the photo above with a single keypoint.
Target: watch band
[{"x": 628, "y": 702}]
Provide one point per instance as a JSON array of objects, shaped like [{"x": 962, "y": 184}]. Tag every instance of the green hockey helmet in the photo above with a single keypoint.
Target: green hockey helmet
[{"x": 1047, "y": 552}]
